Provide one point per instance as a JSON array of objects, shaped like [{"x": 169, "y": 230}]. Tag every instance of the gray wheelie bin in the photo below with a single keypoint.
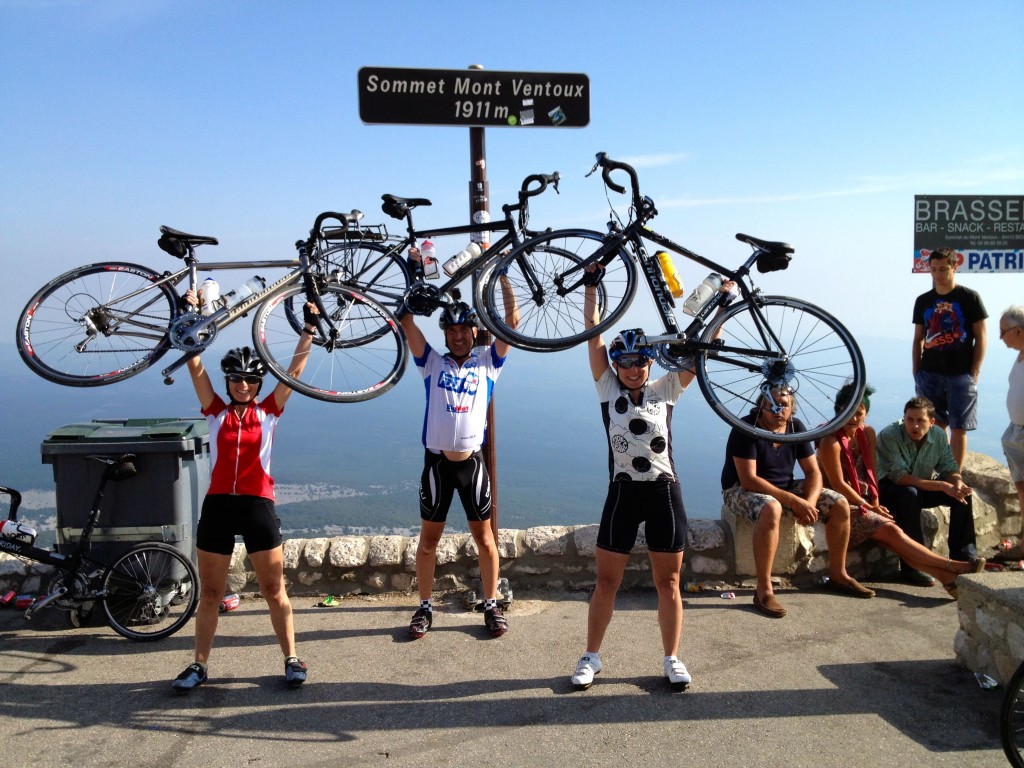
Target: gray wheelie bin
[{"x": 160, "y": 503}]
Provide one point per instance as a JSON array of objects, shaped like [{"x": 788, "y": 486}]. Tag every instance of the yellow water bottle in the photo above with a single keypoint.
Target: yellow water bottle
[{"x": 668, "y": 269}]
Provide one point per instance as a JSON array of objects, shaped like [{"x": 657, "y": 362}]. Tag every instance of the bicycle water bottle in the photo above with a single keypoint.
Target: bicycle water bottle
[
  {"x": 668, "y": 269},
  {"x": 461, "y": 259},
  {"x": 12, "y": 530},
  {"x": 250, "y": 287},
  {"x": 428, "y": 259},
  {"x": 209, "y": 295},
  {"x": 702, "y": 294}
]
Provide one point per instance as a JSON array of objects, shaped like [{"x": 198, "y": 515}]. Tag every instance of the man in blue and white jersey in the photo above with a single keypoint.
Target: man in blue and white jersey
[{"x": 458, "y": 387}]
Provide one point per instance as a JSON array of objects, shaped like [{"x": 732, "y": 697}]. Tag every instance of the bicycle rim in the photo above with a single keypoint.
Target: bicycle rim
[
  {"x": 1011, "y": 719},
  {"x": 365, "y": 358},
  {"x": 150, "y": 592},
  {"x": 783, "y": 342},
  {"x": 96, "y": 324},
  {"x": 544, "y": 275},
  {"x": 371, "y": 269}
]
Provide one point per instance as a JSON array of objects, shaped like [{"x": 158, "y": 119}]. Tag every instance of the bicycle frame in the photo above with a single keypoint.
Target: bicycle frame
[
  {"x": 393, "y": 249},
  {"x": 635, "y": 234},
  {"x": 71, "y": 565}
]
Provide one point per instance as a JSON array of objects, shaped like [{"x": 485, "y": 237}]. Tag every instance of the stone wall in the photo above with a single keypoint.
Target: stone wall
[
  {"x": 562, "y": 557},
  {"x": 991, "y": 635}
]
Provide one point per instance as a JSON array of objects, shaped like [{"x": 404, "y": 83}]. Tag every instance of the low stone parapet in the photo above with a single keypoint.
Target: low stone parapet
[
  {"x": 991, "y": 635},
  {"x": 562, "y": 557}
]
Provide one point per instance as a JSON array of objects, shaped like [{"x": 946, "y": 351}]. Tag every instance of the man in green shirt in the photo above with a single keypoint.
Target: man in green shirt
[{"x": 916, "y": 470}]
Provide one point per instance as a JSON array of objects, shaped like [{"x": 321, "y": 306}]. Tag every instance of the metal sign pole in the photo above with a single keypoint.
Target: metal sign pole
[{"x": 479, "y": 211}]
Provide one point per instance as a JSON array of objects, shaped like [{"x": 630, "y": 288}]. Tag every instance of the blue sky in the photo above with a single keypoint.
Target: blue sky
[{"x": 814, "y": 123}]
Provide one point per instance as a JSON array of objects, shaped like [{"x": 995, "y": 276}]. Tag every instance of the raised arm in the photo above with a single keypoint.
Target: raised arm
[
  {"x": 508, "y": 299},
  {"x": 301, "y": 355},
  {"x": 686, "y": 376},
  {"x": 591, "y": 314}
]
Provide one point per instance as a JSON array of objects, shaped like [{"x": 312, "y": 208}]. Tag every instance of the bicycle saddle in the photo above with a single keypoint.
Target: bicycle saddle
[
  {"x": 396, "y": 207},
  {"x": 175, "y": 242},
  {"x": 765, "y": 245}
]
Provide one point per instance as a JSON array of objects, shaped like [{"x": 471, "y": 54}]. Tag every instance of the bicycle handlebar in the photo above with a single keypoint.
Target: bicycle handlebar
[
  {"x": 345, "y": 219},
  {"x": 12, "y": 514},
  {"x": 607, "y": 165},
  {"x": 542, "y": 180}
]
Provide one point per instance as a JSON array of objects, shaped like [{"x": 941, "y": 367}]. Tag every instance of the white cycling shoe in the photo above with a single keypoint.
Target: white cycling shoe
[
  {"x": 676, "y": 673},
  {"x": 588, "y": 666}
]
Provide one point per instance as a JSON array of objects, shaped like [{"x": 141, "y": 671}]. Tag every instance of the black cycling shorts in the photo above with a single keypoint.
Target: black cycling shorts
[
  {"x": 442, "y": 477},
  {"x": 659, "y": 505},
  {"x": 225, "y": 516}
]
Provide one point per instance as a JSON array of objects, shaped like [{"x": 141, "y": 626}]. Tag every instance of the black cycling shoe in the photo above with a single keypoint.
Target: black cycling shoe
[
  {"x": 294, "y": 672},
  {"x": 495, "y": 621},
  {"x": 422, "y": 620},
  {"x": 193, "y": 676}
]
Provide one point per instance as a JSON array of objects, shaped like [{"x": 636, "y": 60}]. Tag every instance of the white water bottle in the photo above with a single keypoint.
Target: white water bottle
[
  {"x": 209, "y": 295},
  {"x": 461, "y": 259},
  {"x": 12, "y": 530},
  {"x": 702, "y": 294},
  {"x": 250, "y": 287},
  {"x": 428, "y": 259}
]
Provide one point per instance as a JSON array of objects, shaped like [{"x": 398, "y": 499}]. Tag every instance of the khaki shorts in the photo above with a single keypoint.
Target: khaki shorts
[{"x": 749, "y": 503}]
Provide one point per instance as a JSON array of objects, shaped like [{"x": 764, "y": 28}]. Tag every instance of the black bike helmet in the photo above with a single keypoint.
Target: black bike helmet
[
  {"x": 632, "y": 341},
  {"x": 243, "y": 360},
  {"x": 458, "y": 314}
]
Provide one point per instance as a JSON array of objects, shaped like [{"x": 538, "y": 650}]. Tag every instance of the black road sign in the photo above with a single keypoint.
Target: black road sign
[{"x": 473, "y": 97}]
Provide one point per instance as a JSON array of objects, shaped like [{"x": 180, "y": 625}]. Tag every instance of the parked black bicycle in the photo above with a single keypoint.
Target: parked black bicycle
[
  {"x": 758, "y": 345},
  {"x": 1011, "y": 719},
  {"x": 148, "y": 593}
]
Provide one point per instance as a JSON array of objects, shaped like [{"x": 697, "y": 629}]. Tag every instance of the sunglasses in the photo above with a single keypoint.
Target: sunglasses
[
  {"x": 238, "y": 378},
  {"x": 1006, "y": 331},
  {"x": 628, "y": 362}
]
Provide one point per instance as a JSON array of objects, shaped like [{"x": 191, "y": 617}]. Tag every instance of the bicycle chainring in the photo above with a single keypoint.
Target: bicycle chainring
[
  {"x": 673, "y": 357},
  {"x": 186, "y": 334},
  {"x": 76, "y": 589}
]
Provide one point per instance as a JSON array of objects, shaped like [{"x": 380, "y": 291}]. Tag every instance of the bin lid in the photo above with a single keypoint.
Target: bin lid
[{"x": 128, "y": 435}]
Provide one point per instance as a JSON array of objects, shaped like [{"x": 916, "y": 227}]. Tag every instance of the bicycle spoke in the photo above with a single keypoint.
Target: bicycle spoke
[
  {"x": 544, "y": 275},
  {"x": 96, "y": 325},
  {"x": 358, "y": 353},
  {"x": 786, "y": 342}
]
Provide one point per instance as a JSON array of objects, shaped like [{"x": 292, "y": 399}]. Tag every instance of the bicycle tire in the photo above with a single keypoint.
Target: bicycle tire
[
  {"x": 819, "y": 356},
  {"x": 112, "y": 308},
  {"x": 549, "y": 322},
  {"x": 1011, "y": 719},
  {"x": 374, "y": 270},
  {"x": 150, "y": 592},
  {"x": 367, "y": 358}
]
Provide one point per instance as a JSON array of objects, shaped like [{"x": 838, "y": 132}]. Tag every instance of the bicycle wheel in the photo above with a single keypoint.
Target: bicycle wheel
[
  {"x": 779, "y": 341},
  {"x": 371, "y": 269},
  {"x": 96, "y": 324},
  {"x": 1011, "y": 719},
  {"x": 545, "y": 275},
  {"x": 150, "y": 592},
  {"x": 364, "y": 359}
]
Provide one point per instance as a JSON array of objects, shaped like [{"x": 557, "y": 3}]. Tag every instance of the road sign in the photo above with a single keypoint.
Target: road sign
[
  {"x": 473, "y": 97},
  {"x": 986, "y": 231}
]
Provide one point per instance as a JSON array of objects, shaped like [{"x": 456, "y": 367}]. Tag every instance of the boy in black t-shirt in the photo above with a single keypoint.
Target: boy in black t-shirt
[{"x": 949, "y": 346}]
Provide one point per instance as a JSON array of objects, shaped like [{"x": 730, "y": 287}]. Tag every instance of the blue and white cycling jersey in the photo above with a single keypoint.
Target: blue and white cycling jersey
[{"x": 457, "y": 397}]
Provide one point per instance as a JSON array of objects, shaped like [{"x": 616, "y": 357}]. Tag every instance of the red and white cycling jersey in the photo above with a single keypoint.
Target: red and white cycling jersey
[{"x": 241, "y": 447}]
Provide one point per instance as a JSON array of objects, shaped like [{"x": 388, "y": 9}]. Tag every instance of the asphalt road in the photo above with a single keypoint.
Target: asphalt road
[{"x": 838, "y": 682}]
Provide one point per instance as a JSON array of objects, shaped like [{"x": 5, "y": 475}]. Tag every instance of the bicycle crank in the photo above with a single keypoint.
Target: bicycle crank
[{"x": 191, "y": 332}]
